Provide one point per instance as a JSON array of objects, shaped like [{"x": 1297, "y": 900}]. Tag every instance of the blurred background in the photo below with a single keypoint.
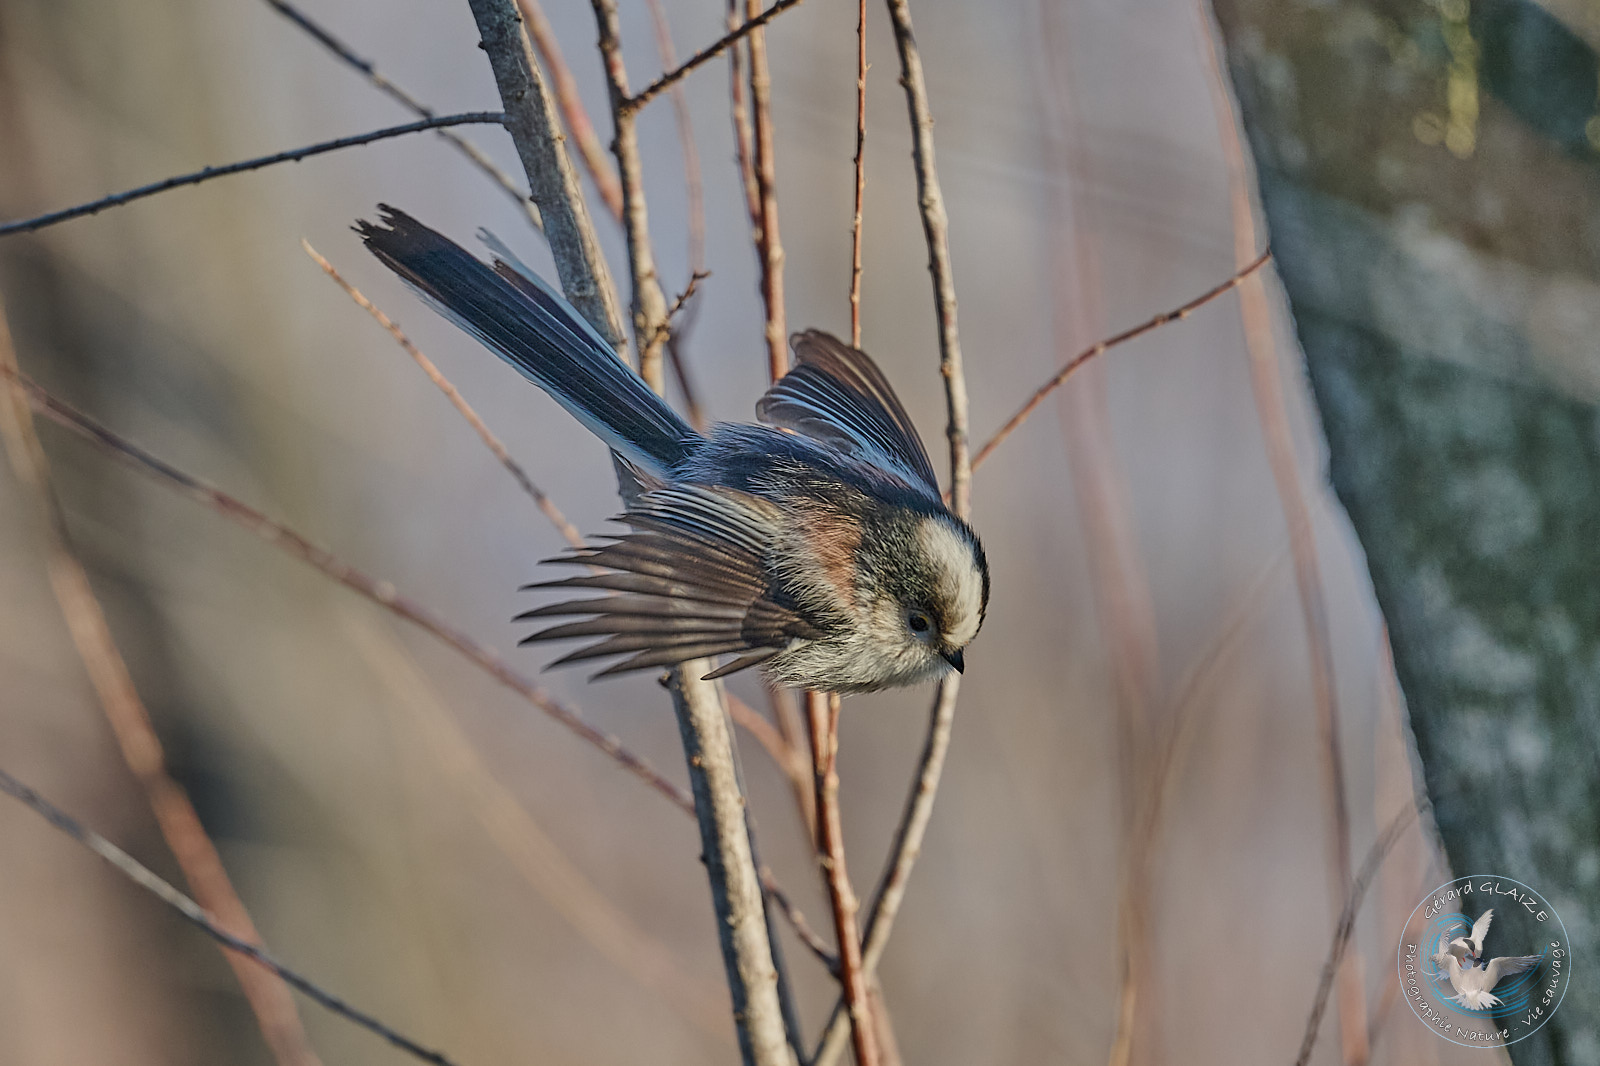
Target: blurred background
[{"x": 432, "y": 847}]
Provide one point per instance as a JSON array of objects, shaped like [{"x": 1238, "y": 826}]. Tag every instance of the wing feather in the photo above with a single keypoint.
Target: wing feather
[
  {"x": 688, "y": 583},
  {"x": 838, "y": 396}
]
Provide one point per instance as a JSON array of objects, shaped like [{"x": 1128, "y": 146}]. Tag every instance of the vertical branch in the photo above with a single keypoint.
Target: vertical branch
[
  {"x": 743, "y": 136},
  {"x": 180, "y": 826},
  {"x": 694, "y": 189},
  {"x": 754, "y": 974},
  {"x": 649, "y": 303},
  {"x": 822, "y": 715},
  {"x": 590, "y": 150},
  {"x": 1266, "y": 385},
  {"x": 861, "y": 172},
  {"x": 936, "y": 227},
  {"x": 768, "y": 243},
  {"x": 531, "y": 121}
]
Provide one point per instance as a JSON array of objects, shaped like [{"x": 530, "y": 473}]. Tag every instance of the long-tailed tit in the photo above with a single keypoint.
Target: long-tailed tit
[{"x": 814, "y": 544}]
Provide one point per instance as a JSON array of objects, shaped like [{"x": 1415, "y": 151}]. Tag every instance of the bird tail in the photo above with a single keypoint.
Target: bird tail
[
  {"x": 1473, "y": 999},
  {"x": 528, "y": 324}
]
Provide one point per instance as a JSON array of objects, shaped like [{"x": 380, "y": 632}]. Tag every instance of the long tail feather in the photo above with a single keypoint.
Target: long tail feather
[{"x": 530, "y": 326}]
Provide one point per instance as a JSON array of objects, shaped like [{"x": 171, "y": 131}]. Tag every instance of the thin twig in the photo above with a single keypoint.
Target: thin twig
[
  {"x": 477, "y": 156},
  {"x": 769, "y": 244},
  {"x": 664, "y": 330},
  {"x": 536, "y": 132},
  {"x": 694, "y": 191},
  {"x": 808, "y": 936},
  {"x": 1100, "y": 347},
  {"x": 1346, "y": 926},
  {"x": 573, "y": 113},
  {"x": 294, "y": 155},
  {"x": 906, "y": 848},
  {"x": 130, "y": 723},
  {"x": 708, "y": 53},
  {"x": 514, "y": 468},
  {"x": 936, "y": 228},
  {"x": 822, "y": 714},
  {"x": 649, "y": 304},
  {"x": 378, "y": 591},
  {"x": 198, "y": 916},
  {"x": 786, "y": 713},
  {"x": 1272, "y": 410},
  {"x": 861, "y": 173},
  {"x": 743, "y": 137}
]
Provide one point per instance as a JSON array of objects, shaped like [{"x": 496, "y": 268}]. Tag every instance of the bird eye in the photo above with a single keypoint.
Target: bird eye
[{"x": 919, "y": 622}]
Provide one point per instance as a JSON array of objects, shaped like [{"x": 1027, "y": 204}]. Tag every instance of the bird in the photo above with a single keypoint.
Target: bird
[
  {"x": 813, "y": 544},
  {"x": 1469, "y": 949},
  {"x": 1473, "y": 976}
]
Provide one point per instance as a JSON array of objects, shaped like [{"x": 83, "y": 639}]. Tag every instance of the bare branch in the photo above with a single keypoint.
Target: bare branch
[
  {"x": 822, "y": 713},
  {"x": 197, "y": 916},
  {"x": 1100, "y": 347},
  {"x": 936, "y": 227},
  {"x": 905, "y": 849},
  {"x": 694, "y": 189},
  {"x": 749, "y": 951},
  {"x": 477, "y": 156},
  {"x": 649, "y": 303},
  {"x": 706, "y": 54},
  {"x": 861, "y": 172},
  {"x": 130, "y": 723},
  {"x": 514, "y": 468},
  {"x": 808, "y": 936},
  {"x": 531, "y": 121},
  {"x": 576, "y": 116},
  {"x": 769, "y": 245},
  {"x": 1347, "y": 924},
  {"x": 378, "y": 591},
  {"x": 294, "y": 155}
]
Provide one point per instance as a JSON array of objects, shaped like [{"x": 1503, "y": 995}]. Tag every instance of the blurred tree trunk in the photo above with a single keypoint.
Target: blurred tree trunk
[{"x": 1429, "y": 173}]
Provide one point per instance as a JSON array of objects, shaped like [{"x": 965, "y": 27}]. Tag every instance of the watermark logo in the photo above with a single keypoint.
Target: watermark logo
[{"x": 1475, "y": 987}]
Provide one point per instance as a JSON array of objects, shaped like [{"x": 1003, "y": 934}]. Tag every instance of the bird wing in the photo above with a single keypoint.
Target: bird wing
[
  {"x": 688, "y": 583},
  {"x": 1480, "y": 929},
  {"x": 838, "y": 396},
  {"x": 1507, "y": 965}
]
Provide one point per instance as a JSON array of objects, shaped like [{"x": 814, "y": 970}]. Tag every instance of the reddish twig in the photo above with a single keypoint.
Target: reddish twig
[
  {"x": 573, "y": 113},
  {"x": 130, "y": 723},
  {"x": 743, "y": 137},
  {"x": 477, "y": 156},
  {"x": 907, "y": 846},
  {"x": 1100, "y": 347},
  {"x": 492, "y": 442},
  {"x": 293, "y": 155},
  {"x": 242, "y": 947},
  {"x": 861, "y": 172},
  {"x": 380, "y": 592},
  {"x": 733, "y": 36},
  {"x": 822, "y": 714}
]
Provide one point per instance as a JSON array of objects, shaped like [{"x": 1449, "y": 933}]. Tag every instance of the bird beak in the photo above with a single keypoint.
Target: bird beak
[{"x": 955, "y": 659}]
